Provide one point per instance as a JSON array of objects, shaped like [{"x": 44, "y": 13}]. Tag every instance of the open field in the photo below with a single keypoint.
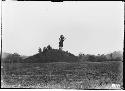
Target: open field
[{"x": 86, "y": 75}]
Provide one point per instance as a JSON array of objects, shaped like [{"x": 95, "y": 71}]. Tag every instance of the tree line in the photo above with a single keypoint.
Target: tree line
[
  {"x": 115, "y": 56},
  {"x": 16, "y": 58}
]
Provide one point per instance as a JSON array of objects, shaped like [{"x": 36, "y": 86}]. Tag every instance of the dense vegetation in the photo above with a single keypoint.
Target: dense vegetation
[
  {"x": 115, "y": 56},
  {"x": 12, "y": 58},
  {"x": 87, "y": 75}
]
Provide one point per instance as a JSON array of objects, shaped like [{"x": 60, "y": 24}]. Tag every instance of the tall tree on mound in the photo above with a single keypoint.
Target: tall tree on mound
[{"x": 61, "y": 39}]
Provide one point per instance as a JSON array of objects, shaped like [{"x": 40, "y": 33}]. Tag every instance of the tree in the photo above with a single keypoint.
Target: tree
[
  {"x": 101, "y": 58},
  {"x": 13, "y": 58},
  {"x": 61, "y": 39},
  {"x": 82, "y": 57},
  {"x": 92, "y": 58},
  {"x": 40, "y": 50},
  {"x": 44, "y": 49},
  {"x": 49, "y": 47},
  {"x": 111, "y": 55}
]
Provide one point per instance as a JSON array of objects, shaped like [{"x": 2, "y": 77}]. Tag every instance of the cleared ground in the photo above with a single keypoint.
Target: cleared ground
[{"x": 87, "y": 75}]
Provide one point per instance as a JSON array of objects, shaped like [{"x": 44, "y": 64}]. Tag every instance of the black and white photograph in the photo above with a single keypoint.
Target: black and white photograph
[{"x": 72, "y": 45}]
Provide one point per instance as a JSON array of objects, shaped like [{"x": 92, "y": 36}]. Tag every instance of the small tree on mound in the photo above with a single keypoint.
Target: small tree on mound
[
  {"x": 49, "y": 47},
  {"x": 44, "y": 49},
  {"x": 40, "y": 50},
  {"x": 61, "y": 40}
]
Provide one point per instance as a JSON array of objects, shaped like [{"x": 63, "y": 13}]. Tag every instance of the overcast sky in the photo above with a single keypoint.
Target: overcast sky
[{"x": 89, "y": 27}]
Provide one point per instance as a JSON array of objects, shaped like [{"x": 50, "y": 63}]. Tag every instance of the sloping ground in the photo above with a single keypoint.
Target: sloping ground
[
  {"x": 53, "y": 55},
  {"x": 88, "y": 75}
]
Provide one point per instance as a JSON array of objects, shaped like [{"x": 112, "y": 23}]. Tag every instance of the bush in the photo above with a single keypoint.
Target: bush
[
  {"x": 13, "y": 58},
  {"x": 49, "y": 47}
]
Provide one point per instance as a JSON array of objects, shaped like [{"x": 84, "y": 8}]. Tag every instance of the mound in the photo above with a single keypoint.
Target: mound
[{"x": 53, "y": 55}]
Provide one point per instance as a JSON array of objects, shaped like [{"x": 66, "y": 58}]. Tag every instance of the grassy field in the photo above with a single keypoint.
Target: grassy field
[{"x": 87, "y": 75}]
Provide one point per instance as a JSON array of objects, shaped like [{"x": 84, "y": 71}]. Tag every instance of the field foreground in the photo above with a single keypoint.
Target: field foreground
[{"x": 62, "y": 75}]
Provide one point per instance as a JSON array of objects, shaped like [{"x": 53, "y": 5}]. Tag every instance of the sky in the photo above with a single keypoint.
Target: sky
[{"x": 89, "y": 27}]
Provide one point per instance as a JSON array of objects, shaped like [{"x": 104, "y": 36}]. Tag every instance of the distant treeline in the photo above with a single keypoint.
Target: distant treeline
[
  {"x": 12, "y": 58},
  {"x": 115, "y": 56},
  {"x": 48, "y": 54}
]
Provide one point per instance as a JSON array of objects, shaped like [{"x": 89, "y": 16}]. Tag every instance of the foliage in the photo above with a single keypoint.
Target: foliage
[
  {"x": 44, "y": 49},
  {"x": 100, "y": 58},
  {"x": 12, "y": 61},
  {"x": 40, "y": 50},
  {"x": 49, "y": 47},
  {"x": 13, "y": 58}
]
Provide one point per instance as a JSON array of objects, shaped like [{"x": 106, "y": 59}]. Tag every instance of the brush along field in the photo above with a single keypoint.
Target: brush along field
[{"x": 62, "y": 75}]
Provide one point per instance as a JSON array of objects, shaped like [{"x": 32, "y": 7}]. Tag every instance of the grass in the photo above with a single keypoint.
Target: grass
[{"x": 87, "y": 75}]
